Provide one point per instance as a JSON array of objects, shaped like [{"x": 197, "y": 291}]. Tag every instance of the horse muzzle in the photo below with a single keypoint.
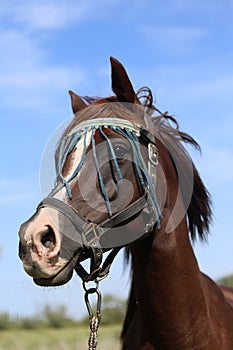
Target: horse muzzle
[{"x": 47, "y": 255}]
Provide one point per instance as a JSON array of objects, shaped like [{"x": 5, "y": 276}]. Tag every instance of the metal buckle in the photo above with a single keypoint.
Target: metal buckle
[
  {"x": 92, "y": 234},
  {"x": 153, "y": 154},
  {"x": 153, "y": 161}
]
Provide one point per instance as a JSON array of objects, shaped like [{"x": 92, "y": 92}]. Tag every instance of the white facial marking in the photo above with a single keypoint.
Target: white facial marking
[{"x": 75, "y": 160}]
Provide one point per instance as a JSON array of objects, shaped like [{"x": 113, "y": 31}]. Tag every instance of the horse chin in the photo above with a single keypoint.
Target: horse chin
[{"x": 61, "y": 278}]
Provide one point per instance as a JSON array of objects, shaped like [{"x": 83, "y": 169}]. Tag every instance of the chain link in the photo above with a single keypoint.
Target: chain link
[
  {"x": 94, "y": 319},
  {"x": 93, "y": 339}
]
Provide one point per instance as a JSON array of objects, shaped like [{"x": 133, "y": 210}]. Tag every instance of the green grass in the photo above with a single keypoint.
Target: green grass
[{"x": 74, "y": 338}]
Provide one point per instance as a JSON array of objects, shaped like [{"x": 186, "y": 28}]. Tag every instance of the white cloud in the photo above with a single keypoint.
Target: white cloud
[
  {"x": 218, "y": 88},
  {"x": 50, "y": 14},
  {"x": 55, "y": 14},
  {"x": 25, "y": 76},
  {"x": 39, "y": 78},
  {"x": 178, "y": 40},
  {"x": 206, "y": 85},
  {"x": 17, "y": 48}
]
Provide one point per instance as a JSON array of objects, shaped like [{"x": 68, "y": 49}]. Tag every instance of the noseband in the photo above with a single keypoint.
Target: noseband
[{"x": 89, "y": 233}]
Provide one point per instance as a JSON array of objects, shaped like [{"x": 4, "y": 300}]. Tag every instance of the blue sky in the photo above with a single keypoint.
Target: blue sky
[{"x": 182, "y": 50}]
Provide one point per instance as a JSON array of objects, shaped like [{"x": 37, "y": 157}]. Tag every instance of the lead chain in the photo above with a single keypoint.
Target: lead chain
[
  {"x": 93, "y": 339},
  {"x": 94, "y": 319}
]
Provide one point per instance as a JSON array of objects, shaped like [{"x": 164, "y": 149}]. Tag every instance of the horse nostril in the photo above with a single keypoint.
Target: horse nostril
[{"x": 48, "y": 238}]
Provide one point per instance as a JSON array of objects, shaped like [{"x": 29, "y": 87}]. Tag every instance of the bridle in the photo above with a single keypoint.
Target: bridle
[{"x": 88, "y": 232}]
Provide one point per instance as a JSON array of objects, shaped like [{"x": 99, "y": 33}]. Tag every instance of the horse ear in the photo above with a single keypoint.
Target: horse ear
[
  {"x": 77, "y": 102},
  {"x": 121, "y": 84}
]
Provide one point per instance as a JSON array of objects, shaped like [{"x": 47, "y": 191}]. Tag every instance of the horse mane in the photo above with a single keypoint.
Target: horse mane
[{"x": 199, "y": 209}]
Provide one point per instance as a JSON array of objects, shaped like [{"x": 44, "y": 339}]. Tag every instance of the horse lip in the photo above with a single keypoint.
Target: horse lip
[
  {"x": 31, "y": 271},
  {"x": 62, "y": 277}
]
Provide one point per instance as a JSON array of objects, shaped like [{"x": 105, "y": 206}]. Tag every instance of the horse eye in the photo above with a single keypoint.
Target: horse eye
[{"x": 120, "y": 152}]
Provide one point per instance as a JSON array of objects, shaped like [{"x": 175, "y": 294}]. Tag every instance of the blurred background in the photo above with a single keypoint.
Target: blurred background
[{"x": 182, "y": 50}]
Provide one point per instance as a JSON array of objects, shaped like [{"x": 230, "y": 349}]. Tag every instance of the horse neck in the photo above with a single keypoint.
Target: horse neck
[{"x": 166, "y": 283}]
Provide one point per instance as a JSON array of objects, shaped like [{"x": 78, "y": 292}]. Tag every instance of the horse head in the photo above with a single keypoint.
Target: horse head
[
  {"x": 104, "y": 196},
  {"x": 116, "y": 169}
]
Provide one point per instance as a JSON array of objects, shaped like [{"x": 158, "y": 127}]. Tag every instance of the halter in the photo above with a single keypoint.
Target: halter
[{"x": 90, "y": 233}]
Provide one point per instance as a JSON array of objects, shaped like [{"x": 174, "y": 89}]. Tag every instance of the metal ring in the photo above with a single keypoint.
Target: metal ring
[{"x": 98, "y": 304}]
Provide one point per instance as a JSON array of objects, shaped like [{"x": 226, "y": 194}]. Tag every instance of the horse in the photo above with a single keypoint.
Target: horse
[{"x": 124, "y": 179}]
